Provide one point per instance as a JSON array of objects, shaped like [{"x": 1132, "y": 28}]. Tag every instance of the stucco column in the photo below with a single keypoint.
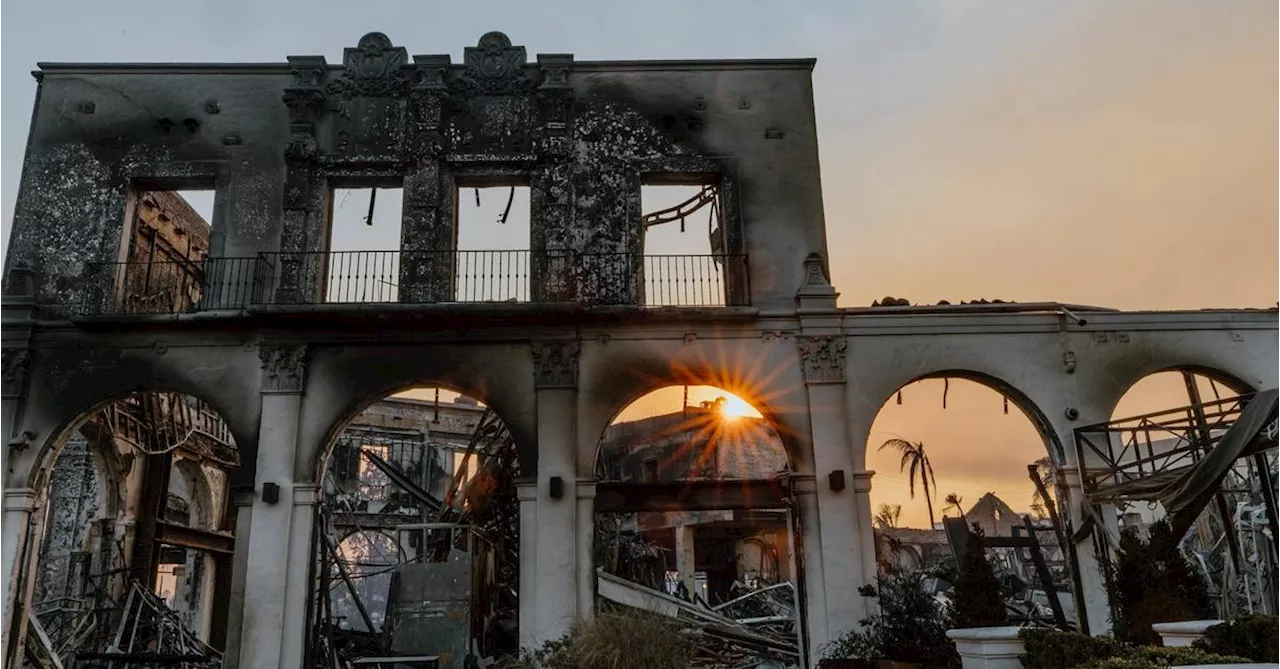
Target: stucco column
[
  {"x": 242, "y": 506},
  {"x": 1093, "y": 583},
  {"x": 586, "y": 548},
  {"x": 292, "y": 649},
  {"x": 805, "y": 493},
  {"x": 527, "y": 493},
  {"x": 685, "y": 557},
  {"x": 18, "y": 506},
  {"x": 555, "y": 548},
  {"x": 866, "y": 526},
  {"x": 268, "y": 567},
  {"x": 843, "y": 538}
]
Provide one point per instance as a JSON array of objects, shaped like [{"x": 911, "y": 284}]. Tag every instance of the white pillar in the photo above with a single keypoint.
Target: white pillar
[
  {"x": 527, "y": 493},
  {"x": 18, "y": 506},
  {"x": 866, "y": 524},
  {"x": 557, "y": 547},
  {"x": 804, "y": 488},
  {"x": 1093, "y": 584},
  {"x": 268, "y": 567},
  {"x": 242, "y": 506},
  {"x": 301, "y": 557},
  {"x": 586, "y": 548},
  {"x": 685, "y": 557}
]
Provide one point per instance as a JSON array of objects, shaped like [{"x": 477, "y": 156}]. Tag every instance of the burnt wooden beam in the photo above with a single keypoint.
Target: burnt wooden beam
[
  {"x": 173, "y": 534},
  {"x": 690, "y": 496}
]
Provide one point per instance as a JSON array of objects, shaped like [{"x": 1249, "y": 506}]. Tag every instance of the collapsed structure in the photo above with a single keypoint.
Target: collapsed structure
[{"x": 135, "y": 343}]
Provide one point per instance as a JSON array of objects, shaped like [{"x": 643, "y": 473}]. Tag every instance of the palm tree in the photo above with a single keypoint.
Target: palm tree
[
  {"x": 913, "y": 455},
  {"x": 953, "y": 502},
  {"x": 887, "y": 516}
]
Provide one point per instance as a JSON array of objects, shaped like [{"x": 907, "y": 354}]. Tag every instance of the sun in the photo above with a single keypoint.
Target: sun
[{"x": 735, "y": 407}]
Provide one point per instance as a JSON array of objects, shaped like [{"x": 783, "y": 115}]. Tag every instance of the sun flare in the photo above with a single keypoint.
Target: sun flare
[{"x": 736, "y": 407}]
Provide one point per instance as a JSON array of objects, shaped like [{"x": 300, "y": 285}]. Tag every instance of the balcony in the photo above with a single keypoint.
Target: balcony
[{"x": 314, "y": 279}]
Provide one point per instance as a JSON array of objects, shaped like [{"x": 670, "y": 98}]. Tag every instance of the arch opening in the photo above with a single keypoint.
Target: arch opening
[
  {"x": 418, "y": 508},
  {"x": 966, "y": 449},
  {"x": 131, "y": 528},
  {"x": 1174, "y": 420},
  {"x": 692, "y": 502}
]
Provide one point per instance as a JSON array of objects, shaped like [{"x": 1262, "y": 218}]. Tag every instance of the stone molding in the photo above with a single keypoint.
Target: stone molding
[
  {"x": 527, "y": 491},
  {"x": 16, "y": 362},
  {"x": 20, "y": 499},
  {"x": 862, "y": 481},
  {"x": 822, "y": 357},
  {"x": 804, "y": 484},
  {"x": 306, "y": 494},
  {"x": 555, "y": 363},
  {"x": 284, "y": 367},
  {"x": 586, "y": 488}
]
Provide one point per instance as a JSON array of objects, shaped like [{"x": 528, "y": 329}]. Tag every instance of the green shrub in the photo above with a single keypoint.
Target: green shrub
[
  {"x": 1154, "y": 584},
  {"x": 1052, "y": 649},
  {"x": 621, "y": 639},
  {"x": 1252, "y": 636},
  {"x": 1156, "y": 657},
  {"x": 975, "y": 600},
  {"x": 909, "y": 627}
]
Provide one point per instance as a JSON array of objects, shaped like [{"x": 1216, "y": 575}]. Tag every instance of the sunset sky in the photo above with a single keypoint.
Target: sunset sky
[{"x": 1121, "y": 154}]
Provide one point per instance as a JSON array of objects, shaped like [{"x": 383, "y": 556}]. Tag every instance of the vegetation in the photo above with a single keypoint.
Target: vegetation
[
  {"x": 1252, "y": 636},
  {"x": 953, "y": 501},
  {"x": 621, "y": 639},
  {"x": 887, "y": 515},
  {"x": 909, "y": 627},
  {"x": 914, "y": 457},
  {"x": 1156, "y": 657},
  {"x": 1154, "y": 584},
  {"x": 976, "y": 600},
  {"x": 1051, "y": 649}
]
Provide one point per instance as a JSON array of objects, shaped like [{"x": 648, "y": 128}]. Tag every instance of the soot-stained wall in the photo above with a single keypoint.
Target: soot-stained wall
[{"x": 273, "y": 139}]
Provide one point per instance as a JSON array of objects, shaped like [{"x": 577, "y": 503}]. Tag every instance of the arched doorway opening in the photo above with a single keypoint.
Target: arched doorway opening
[
  {"x": 693, "y": 511},
  {"x": 129, "y": 551},
  {"x": 1170, "y": 423},
  {"x": 417, "y": 514},
  {"x": 964, "y": 449}
]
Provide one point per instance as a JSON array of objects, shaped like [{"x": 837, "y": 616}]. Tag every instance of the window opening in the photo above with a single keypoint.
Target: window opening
[
  {"x": 684, "y": 245},
  {"x": 363, "y": 262},
  {"x": 163, "y": 256},
  {"x": 493, "y": 240}
]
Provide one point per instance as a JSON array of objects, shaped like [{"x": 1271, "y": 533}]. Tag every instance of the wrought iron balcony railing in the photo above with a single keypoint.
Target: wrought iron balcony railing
[
  {"x": 415, "y": 277},
  {"x": 168, "y": 287}
]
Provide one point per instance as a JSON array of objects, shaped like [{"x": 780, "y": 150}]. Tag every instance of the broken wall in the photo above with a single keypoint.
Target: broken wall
[{"x": 272, "y": 139}]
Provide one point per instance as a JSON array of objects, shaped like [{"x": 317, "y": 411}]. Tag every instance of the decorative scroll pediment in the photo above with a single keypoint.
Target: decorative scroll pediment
[
  {"x": 374, "y": 68},
  {"x": 493, "y": 67}
]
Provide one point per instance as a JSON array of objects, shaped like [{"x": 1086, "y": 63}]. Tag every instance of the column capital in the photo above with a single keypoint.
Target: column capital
[
  {"x": 804, "y": 484},
  {"x": 284, "y": 367},
  {"x": 586, "y": 488},
  {"x": 527, "y": 491},
  {"x": 822, "y": 357},
  {"x": 862, "y": 481},
  {"x": 20, "y": 499},
  {"x": 306, "y": 494},
  {"x": 555, "y": 363}
]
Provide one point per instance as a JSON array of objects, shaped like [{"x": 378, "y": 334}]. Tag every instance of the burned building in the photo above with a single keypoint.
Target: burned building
[{"x": 286, "y": 337}]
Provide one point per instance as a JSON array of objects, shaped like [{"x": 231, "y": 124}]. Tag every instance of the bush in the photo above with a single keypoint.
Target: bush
[
  {"x": 622, "y": 639},
  {"x": 1156, "y": 657},
  {"x": 1052, "y": 649},
  {"x": 976, "y": 601},
  {"x": 1154, "y": 584},
  {"x": 1252, "y": 636},
  {"x": 909, "y": 627}
]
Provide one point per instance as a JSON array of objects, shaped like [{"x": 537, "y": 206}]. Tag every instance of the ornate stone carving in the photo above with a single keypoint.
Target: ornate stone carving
[
  {"x": 374, "y": 68},
  {"x": 493, "y": 67},
  {"x": 16, "y": 361},
  {"x": 814, "y": 274},
  {"x": 369, "y": 99},
  {"x": 284, "y": 367},
  {"x": 822, "y": 357},
  {"x": 555, "y": 364}
]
